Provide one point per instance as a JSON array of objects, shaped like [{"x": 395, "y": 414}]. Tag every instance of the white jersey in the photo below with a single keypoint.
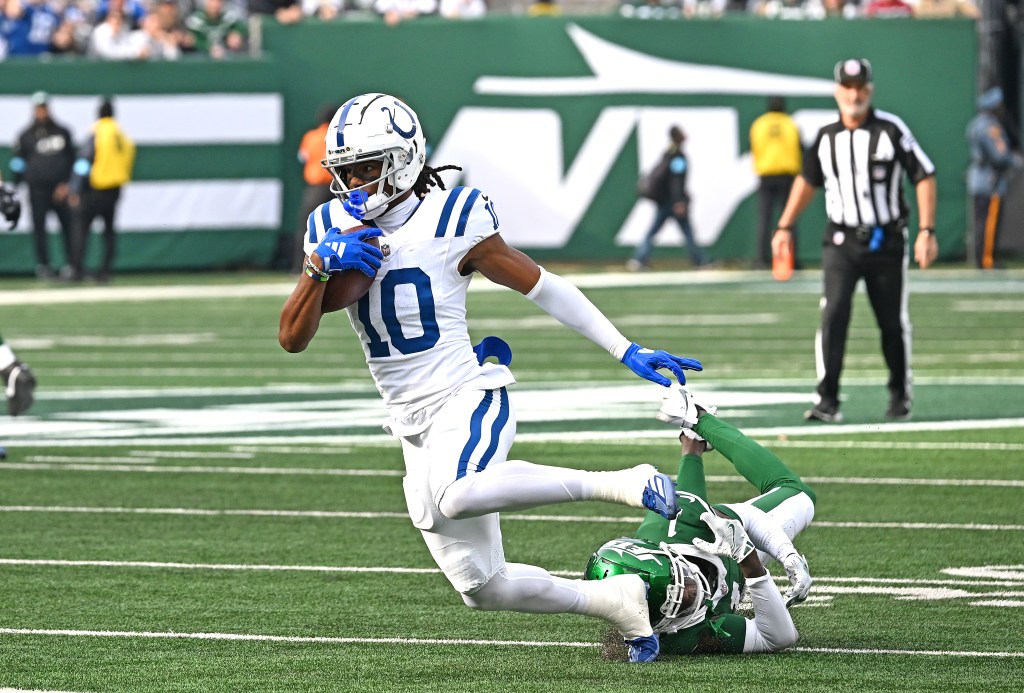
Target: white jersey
[{"x": 412, "y": 321}]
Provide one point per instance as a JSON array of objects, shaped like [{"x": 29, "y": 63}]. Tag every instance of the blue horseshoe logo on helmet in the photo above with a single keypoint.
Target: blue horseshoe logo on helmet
[{"x": 405, "y": 134}]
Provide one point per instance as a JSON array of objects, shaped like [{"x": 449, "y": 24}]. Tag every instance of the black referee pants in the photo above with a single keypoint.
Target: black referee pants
[{"x": 845, "y": 260}]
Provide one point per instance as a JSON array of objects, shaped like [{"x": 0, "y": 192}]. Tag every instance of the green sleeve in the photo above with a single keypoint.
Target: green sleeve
[
  {"x": 721, "y": 635},
  {"x": 691, "y": 476}
]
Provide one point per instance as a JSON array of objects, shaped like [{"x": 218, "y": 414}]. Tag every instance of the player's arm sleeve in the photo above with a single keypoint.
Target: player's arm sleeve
[
  {"x": 565, "y": 303},
  {"x": 772, "y": 627},
  {"x": 556, "y": 296}
]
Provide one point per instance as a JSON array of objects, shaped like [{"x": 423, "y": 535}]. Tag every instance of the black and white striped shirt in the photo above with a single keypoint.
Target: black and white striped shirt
[{"x": 862, "y": 169}]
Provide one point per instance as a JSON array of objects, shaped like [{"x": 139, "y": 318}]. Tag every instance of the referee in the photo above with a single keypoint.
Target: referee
[{"x": 860, "y": 160}]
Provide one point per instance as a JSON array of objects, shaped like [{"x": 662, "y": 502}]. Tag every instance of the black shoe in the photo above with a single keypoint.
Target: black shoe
[
  {"x": 44, "y": 272},
  {"x": 899, "y": 409},
  {"x": 823, "y": 413},
  {"x": 19, "y": 384}
]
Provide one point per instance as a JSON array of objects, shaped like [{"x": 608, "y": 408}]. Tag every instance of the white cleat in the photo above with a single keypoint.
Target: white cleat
[
  {"x": 799, "y": 579},
  {"x": 680, "y": 408}
]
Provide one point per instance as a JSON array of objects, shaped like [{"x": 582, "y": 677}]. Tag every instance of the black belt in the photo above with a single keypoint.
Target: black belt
[{"x": 865, "y": 231}]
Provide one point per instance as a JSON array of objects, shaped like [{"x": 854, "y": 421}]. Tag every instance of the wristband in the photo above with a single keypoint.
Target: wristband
[
  {"x": 784, "y": 228},
  {"x": 314, "y": 272},
  {"x": 928, "y": 230}
]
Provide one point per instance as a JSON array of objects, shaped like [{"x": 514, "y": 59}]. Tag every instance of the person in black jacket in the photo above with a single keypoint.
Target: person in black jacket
[
  {"x": 42, "y": 157},
  {"x": 668, "y": 191}
]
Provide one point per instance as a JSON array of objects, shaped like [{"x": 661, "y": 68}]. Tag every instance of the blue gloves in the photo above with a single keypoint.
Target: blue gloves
[
  {"x": 344, "y": 251},
  {"x": 645, "y": 363}
]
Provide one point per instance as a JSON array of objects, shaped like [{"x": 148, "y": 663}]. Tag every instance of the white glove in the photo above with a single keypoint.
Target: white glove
[
  {"x": 730, "y": 539},
  {"x": 799, "y": 579}
]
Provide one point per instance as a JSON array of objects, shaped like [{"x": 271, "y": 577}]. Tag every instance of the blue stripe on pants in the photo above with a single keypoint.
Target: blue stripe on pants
[
  {"x": 475, "y": 426},
  {"x": 496, "y": 428}
]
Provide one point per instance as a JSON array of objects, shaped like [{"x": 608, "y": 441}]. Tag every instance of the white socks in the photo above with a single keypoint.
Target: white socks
[{"x": 517, "y": 485}]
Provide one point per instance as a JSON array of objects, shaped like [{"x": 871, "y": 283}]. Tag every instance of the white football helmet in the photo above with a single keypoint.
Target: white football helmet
[{"x": 374, "y": 127}]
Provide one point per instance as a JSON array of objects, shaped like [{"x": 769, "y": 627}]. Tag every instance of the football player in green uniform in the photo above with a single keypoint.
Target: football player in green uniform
[{"x": 699, "y": 565}]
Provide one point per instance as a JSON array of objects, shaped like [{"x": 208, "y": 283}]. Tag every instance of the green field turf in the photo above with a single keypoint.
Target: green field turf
[{"x": 190, "y": 508}]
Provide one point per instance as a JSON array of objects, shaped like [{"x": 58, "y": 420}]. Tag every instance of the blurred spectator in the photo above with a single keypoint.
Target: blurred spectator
[
  {"x": 888, "y": 9},
  {"x": 132, "y": 11},
  {"x": 704, "y": 8},
  {"x": 217, "y": 30},
  {"x": 651, "y": 9},
  {"x": 790, "y": 9},
  {"x": 463, "y": 9},
  {"x": 778, "y": 156},
  {"x": 841, "y": 9},
  {"x": 113, "y": 39},
  {"x": 940, "y": 9},
  {"x": 27, "y": 27},
  {"x": 395, "y": 11},
  {"x": 103, "y": 167},
  {"x": 284, "y": 11},
  {"x": 993, "y": 162},
  {"x": 544, "y": 8},
  {"x": 156, "y": 44},
  {"x": 72, "y": 34},
  {"x": 324, "y": 10},
  {"x": 171, "y": 27},
  {"x": 42, "y": 157}
]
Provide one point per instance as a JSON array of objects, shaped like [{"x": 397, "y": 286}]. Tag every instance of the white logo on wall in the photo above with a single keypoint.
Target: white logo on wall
[{"x": 544, "y": 198}]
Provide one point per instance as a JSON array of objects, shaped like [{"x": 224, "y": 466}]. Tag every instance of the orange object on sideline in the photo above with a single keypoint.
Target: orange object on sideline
[
  {"x": 991, "y": 221},
  {"x": 782, "y": 262}
]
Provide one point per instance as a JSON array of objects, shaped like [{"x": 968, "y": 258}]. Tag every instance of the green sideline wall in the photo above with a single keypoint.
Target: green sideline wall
[{"x": 925, "y": 72}]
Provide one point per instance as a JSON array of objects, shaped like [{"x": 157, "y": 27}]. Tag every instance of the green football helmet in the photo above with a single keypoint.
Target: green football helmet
[{"x": 678, "y": 591}]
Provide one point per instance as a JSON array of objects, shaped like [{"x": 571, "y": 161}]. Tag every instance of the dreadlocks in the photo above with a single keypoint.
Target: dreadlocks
[{"x": 429, "y": 178}]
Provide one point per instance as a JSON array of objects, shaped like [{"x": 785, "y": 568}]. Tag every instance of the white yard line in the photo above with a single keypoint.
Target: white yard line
[
  {"x": 250, "y": 637},
  {"x": 161, "y": 439},
  {"x": 822, "y": 584},
  {"x": 140, "y": 466},
  {"x": 354, "y": 515}
]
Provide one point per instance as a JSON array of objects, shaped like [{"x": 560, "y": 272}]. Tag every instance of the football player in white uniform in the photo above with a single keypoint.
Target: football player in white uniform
[{"x": 446, "y": 404}]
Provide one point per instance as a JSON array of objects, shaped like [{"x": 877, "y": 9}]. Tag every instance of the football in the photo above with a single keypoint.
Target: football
[{"x": 345, "y": 288}]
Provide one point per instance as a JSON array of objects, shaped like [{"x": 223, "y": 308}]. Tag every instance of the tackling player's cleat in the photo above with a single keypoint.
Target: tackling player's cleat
[
  {"x": 660, "y": 495},
  {"x": 631, "y": 616},
  {"x": 20, "y": 384},
  {"x": 799, "y": 579},
  {"x": 643, "y": 649},
  {"x": 680, "y": 408}
]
